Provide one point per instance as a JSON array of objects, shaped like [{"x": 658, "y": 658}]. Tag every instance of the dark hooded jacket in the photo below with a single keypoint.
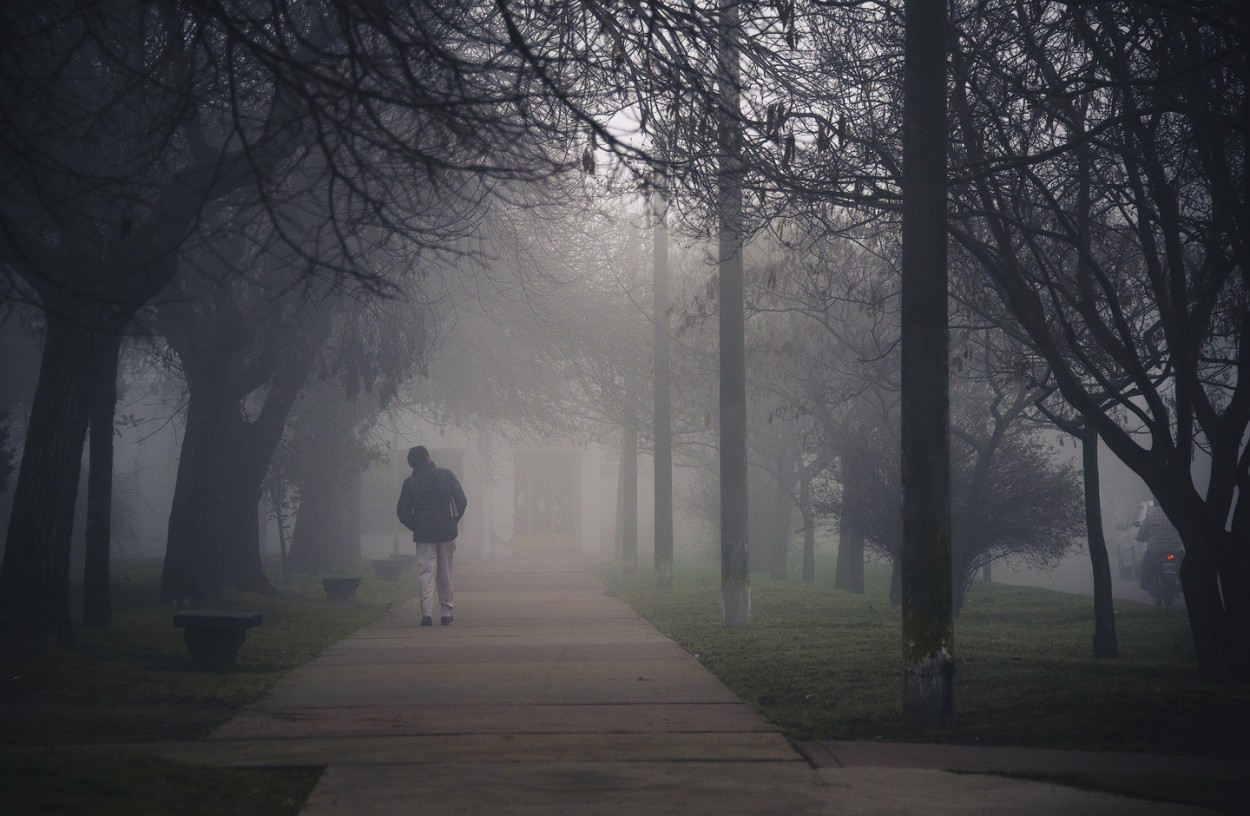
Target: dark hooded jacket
[{"x": 431, "y": 503}]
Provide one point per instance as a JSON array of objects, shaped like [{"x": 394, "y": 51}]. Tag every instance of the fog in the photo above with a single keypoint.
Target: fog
[
  {"x": 525, "y": 495},
  {"x": 509, "y": 313},
  {"x": 530, "y": 489}
]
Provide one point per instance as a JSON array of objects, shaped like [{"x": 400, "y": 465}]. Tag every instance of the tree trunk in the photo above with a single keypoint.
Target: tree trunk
[
  {"x": 245, "y": 459},
  {"x": 735, "y": 567},
  {"x": 1215, "y": 572},
  {"x": 97, "y": 608},
  {"x": 779, "y": 533},
  {"x": 241, "y": 565},
  {"x": 34, "y": 577},
  {"x": 313, "y": 537},
  {"x": 1236, "y": 561},
  {"x": 326, "y": 539},
  {"x": 191, "y": 574},
  {"x": 928, "y": 635},
  {"x": 850, "y": 566},
  {"x": 1220, "y": 646},
  {"x": 353, "y": 508},
  {"x": 788, "y": 465},
  {"x": 277, "y": 501},
  {"x": 663, "y": 384},
  {"x": 214, "y": 537},
  {"x": 809, "y": 526},
  {"x": 1105, "y": 642},
  {"x": 629, "y": 493},
  {"x": 618, "y": 528}
]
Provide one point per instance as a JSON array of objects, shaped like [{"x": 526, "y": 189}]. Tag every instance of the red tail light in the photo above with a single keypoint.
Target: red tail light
[{"x": 1171, "y": 556}]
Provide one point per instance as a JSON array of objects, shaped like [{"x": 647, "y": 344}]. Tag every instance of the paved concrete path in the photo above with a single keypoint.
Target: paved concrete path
[{"x": 546, "y": 696}]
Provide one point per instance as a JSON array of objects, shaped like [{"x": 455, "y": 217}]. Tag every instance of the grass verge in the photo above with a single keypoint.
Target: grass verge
[
  {"x": 66, "y": 781},
  {"x": 826, "y": 664},
  {"x": 133, "y": 682}
]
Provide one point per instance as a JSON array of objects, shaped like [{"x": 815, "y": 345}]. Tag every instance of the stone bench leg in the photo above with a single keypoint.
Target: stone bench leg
[
  {"x": 213, "y": 649},
  {"x": 341, "y": 591}
]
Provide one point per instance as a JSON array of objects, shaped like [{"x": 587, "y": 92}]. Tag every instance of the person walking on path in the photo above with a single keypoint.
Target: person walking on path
[{"x": 431, "y": 504}]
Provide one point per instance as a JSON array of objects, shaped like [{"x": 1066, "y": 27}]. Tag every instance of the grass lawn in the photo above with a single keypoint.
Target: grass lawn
[
  {"x": 133, "y": 682},
  {"x": 65, "y": 781},
  {"x": 826, "y": 664}
]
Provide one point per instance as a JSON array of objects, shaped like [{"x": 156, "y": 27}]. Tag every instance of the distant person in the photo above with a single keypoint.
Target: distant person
[
  {"x": 431, "y": 504},
  {"x": 1160, "y": 537}
]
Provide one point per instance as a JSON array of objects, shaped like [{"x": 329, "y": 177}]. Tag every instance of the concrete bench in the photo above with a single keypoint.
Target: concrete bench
[
  {"x": 387, "y": 569},
  {"x": 213, "y": 637},
  {"x": 341, "y": 591}
]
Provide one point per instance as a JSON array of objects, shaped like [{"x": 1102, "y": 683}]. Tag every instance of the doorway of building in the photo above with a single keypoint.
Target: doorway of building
[{"x": 547, "y": 499}]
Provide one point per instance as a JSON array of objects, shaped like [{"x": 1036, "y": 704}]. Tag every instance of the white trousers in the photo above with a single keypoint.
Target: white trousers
[{"x": 434, "y": 568}]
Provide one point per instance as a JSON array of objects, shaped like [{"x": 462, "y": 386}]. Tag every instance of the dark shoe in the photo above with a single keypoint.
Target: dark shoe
[
  {"x": 427, "y": 621},
  {"x": 445, "y": 620}
]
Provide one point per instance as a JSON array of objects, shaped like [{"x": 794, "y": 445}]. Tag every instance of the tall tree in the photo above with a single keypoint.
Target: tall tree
[
  {"x": 928, "y": 633},
  {"x": 97, "y": 199},
  {"x": 849, "y": 571},
  {"x": 822, "y": 330},
  {"x": 628, "y": 515},
  {"x": 373, "y": 346},
  {"x": 662, "y": 423},
  {"x": 97, "y": 607},
  {"x": 327, "y": 454},
  {"x": 1010, "y": 499},
  {"x": 245, "y": 356},
  {"x": 1106, "y": 644},
  {"x": 774, "y": 489},
  {"x": 809, "y": 532},
  {"x": 735, "y": 570},
  {"x": 1122, "y": 263}
]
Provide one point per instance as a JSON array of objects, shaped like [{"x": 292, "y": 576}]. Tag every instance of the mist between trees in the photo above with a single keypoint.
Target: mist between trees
[{"x": 280, "y": 232}]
